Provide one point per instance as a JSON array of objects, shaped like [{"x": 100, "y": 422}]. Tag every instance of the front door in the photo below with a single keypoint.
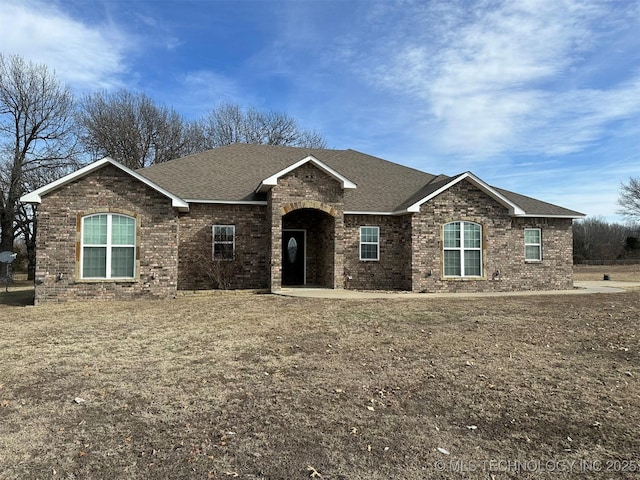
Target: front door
[{"x": 293, "y": 257}]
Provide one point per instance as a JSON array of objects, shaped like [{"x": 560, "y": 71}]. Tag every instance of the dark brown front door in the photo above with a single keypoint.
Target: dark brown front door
[{"x": 293, "y": 261}]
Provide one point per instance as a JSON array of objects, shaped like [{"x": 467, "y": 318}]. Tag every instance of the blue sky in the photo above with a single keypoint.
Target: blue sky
[{"x": 541, "y": 97}]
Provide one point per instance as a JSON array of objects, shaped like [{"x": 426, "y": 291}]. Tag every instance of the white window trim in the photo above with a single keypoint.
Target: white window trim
[
  {"x": 377, "y": 244},
  {"x": 462, "y": 249},
  {"x": 539, "y": 245},
  {"x": 214, "y": 243},
  {"x": 109, "y": 246}
]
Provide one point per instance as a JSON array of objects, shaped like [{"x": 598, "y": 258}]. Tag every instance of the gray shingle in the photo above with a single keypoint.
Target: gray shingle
[{"x": 233, "y": 172}]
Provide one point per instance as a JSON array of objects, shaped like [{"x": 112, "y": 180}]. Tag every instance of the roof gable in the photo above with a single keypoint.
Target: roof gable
[
  {"x": 36, "y": 195},
  {"x": 272, "y": 181},
  {"x": 442, "y": 186},
  {"x": 518, "y": 205}
]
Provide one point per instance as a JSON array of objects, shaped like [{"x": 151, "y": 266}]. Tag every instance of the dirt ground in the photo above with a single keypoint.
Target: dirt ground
[{"x": 267, "y": 387}]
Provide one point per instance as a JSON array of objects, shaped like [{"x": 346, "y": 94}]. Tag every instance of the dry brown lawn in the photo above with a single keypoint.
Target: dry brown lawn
[
  {"x": 619, "y": 273},
  {"x": 261, "y": 386}
]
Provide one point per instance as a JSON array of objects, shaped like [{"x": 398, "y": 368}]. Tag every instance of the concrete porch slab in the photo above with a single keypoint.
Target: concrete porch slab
[{"x": 580, "y": 288}]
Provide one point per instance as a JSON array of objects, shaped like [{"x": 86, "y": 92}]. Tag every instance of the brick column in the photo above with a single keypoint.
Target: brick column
[
  {"x": 338, "y": 250},
  {"x": 275, "y": 254}
]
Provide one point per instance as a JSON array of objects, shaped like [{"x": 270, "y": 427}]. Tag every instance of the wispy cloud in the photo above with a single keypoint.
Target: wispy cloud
[
  {"x": 571, "y": 121},
  {"x": 505, "y": 77},
  {"x": 86, "y": 56}
]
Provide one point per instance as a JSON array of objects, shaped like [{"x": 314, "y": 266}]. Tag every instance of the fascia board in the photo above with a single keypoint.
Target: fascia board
[
  {"x": 533, "y": 215},
  {"x": 364, "y": 212},
  {"x": 272, "y": 181},
  {"x": 514, "y": 209},
  {"x": 227, "y": 202},
  {"x": 36, "y": 195}
]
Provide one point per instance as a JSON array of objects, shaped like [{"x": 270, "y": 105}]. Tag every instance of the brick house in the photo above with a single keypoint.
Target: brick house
[{"x": 264, "y": 217}]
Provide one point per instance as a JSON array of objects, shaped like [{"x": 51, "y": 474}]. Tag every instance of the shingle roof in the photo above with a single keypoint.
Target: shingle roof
[
  {"x": 232, "y": 173},
  {"x": 535, "y": 207},
  {"x": 435, "y": 184}
]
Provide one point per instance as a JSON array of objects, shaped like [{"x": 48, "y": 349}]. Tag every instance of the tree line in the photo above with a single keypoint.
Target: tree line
[
  {"x": 46, "y": 131},
  {"x": 595, "y": 239}
]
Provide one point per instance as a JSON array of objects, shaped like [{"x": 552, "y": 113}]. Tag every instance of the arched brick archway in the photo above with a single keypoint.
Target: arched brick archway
[
  {"x": 308, "y": 245},
  {"x": 308, "y": 204}
]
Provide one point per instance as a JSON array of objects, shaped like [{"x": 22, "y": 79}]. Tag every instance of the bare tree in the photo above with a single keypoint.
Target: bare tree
[
  {"x": 229, "y": 123},
  {"x": 596, "y": 239},
  {"x": 37, "y": 138},
  {"x": 132, "y": 129},
  {"x": 26, "y": 225},
  {"x": 629, "y": 199},
  {"x": 213, "y": 272}
]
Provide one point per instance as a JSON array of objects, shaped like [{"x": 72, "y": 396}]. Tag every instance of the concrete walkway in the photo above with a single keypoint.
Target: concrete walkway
[{"x": 580, "y": 288}]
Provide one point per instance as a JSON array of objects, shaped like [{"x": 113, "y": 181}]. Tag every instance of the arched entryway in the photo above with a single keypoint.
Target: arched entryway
[{"x": 308, "y": 248}]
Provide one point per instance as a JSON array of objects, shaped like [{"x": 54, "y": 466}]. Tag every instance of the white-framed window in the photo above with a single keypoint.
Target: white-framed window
[
  {"x": 533, "y": 244},
  {"x": 108, "y": 246},
  {"x": 224, "y": 242},
  {"x": 370, "y": 243},
  {"x": 462, "y": 249}
]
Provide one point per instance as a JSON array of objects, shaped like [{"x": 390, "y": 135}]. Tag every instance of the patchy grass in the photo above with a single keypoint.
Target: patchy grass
[{"x": 260, "y": 386}]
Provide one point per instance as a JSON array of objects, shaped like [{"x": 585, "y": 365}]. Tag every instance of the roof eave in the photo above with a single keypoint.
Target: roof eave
[
  {"x": 542, "y": 215},
  {"x": 35, "y": 197}
]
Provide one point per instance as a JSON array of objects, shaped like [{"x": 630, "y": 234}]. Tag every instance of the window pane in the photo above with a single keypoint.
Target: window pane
[
  {"x": 369, "y": 234},
  {"x": 223, "y": 233},
  {"x": 532, "y": 252},
  {"x": 532, "y": 235},
  {"x": 452, "y": 263},
  {"x": 123, "y": 230},
  {"x": 471, "y": 235},
  {"x": 94, "y": 263},
  {"x": 369, "y": 251},
  {"x": 452, "y": 235},
  {"x": 223, "y": 240},
  {"x": 122, "y": 261},
  {"x": 223, "y": 251},
  {"x": 95, "y": 230},
  {"x": 472, "y": 263}
]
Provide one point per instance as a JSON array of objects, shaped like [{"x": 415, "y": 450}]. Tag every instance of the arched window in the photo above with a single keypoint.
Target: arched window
[
  {"x": 462, "y": 249},
  {"x": 108, "y": 247}
]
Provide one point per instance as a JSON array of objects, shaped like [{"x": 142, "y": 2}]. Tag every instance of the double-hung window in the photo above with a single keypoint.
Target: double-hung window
[
  {"x": 369, "y": 243},
  {"x": 224, "y": 241},
  {"x": 462, "y": 248},
  {"x": 108, "y": 246},
  {"x": 532, "y": 244}
]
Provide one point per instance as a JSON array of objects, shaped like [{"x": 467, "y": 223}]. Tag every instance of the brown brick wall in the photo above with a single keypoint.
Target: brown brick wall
[
  {"x": 392, "y": 270},
  {"x": 106, "y": 190},
  {"x": 308, "y": 187},
  {"x": 503, "y": 246},
  {"x": 250, "y": 269},
  {"x": 308, "y": 198}
]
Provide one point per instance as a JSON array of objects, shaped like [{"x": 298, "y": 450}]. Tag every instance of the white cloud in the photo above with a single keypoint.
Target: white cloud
[
  {"x": 507, "y": 77},
  {"x": 87, "y": 57},
  {"x": 570, "y": 121}
]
